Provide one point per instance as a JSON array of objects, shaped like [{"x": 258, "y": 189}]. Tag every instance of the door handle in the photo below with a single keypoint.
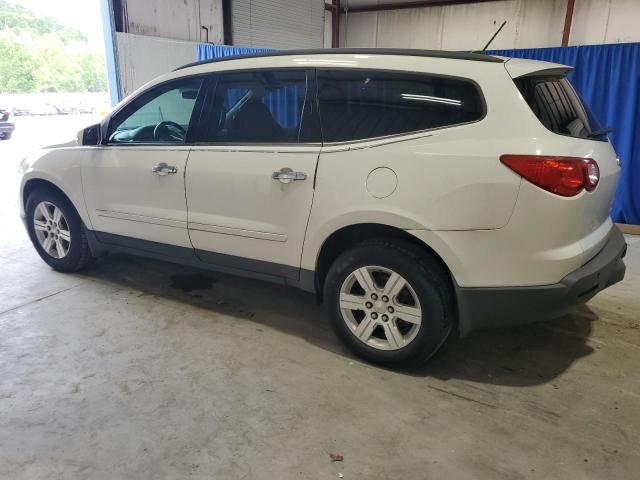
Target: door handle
[
  {"x": 286, "y": 175},
  {"x": 163, "y": 169}
]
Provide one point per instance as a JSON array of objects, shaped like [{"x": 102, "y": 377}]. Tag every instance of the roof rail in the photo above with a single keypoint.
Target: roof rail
[{"x": 477, "y": 57}]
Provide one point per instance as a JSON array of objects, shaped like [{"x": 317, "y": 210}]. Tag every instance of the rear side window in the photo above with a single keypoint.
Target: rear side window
[
  {"x": 559, "y": 107},
  {"x": 256, "y": 107},
  {"x": 361, "y": 104}
]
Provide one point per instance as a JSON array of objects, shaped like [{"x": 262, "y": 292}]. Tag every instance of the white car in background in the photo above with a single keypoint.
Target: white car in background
[{"x": 414, "y": 191}]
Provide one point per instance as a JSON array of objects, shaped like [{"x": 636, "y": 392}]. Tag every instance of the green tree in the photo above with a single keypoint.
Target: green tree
[
  {"x": 40, "y": 54},
  {"x": 19, "y": 18},
  {"x": 17, "y": 67},
  {"x": 92, "y": 72}
]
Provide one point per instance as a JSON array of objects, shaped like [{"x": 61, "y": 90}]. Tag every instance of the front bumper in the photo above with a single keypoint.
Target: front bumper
[{"x": 480, "y": 308}]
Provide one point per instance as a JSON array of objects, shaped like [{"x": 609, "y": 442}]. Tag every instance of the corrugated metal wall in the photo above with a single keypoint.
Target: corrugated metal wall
[
  {"x": 142, "y": 58},
  {"x": 530, "y": 24},
  {"x": 282, "y": 24},
  {"x": 180, "y": 20}
]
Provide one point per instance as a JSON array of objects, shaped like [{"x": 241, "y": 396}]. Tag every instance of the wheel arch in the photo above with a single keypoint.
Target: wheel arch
[
  {"x": 31, "y": 184},
  {"x": 350, "y": 235}
]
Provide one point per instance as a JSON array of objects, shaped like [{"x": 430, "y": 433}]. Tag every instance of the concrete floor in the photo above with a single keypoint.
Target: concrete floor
[{"x": 120, "y": 373}]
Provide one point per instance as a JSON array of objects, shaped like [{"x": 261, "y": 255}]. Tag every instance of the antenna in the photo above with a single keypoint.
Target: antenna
[{"x": 494, "y": 36}]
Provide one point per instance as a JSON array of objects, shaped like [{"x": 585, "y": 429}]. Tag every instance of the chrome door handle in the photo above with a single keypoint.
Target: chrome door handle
[
  {"x": 286, "y": 175},
  {"x": 163, "y": 169}
]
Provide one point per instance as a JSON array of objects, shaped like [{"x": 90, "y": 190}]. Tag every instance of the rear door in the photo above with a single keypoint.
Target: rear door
[{"x": 250, "y": 180}]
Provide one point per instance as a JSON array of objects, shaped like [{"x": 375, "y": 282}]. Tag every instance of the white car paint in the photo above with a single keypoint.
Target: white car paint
[
  {"x": 124, "y": 197},
  {"x": 270, "y": 222},
  {"x": 489, "y": 226}
]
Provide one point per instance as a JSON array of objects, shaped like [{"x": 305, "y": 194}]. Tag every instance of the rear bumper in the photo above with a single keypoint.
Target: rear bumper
[{"x": 480, "y": 308}]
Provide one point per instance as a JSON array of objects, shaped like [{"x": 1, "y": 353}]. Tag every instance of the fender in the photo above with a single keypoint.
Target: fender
[{"x": 60, "y": 167}]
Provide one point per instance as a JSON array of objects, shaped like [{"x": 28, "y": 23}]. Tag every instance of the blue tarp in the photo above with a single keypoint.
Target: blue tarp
[
  {"x": 608, "y": 78},
  {"x": 206, "y": 51}
]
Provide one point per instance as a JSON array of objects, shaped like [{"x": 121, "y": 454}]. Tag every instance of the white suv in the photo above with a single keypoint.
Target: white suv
[{"x": 413, "y": 191}]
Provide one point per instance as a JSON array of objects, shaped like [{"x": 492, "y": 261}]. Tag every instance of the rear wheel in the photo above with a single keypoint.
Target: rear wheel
[
  {"x": 56, "y": 230},
  {"x": 389, "y": 302}
]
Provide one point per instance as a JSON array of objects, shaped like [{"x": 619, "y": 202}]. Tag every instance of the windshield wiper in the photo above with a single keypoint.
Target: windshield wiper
[{"x": 600, "y": 133}]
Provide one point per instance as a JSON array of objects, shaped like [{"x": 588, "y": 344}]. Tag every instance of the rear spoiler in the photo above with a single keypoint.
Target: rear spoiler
[{"x": 517, "y": 67}]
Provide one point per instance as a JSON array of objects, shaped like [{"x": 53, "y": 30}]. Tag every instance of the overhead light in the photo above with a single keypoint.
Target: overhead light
[{"x": 427, "y": 98}]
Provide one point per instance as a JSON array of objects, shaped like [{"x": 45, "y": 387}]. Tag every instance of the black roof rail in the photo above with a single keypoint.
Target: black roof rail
[{"x": 477, "y": 57}]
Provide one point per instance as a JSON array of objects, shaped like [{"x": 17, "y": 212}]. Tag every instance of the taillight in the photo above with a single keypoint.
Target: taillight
[{"x": 565, "y": 176}]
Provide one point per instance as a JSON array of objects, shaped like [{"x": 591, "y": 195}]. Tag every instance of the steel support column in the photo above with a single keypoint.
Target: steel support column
[{"x": 568, "y": 20}]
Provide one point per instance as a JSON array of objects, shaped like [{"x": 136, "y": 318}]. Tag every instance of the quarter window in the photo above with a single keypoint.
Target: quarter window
[
  {"x": 161, "y": 115},
  {"x": 559, "y": 108},
  {"x": 362, "y": 104},
  {"x": 261, "y": 106}
]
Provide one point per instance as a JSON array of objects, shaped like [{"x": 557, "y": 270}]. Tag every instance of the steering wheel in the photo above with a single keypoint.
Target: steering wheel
[{"x": 169, "y": 131}]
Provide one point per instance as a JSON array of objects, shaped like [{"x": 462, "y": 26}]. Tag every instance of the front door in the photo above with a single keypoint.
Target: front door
[
  {"x": 250, "y": 183},
  {"x": 134, "y": 185}
]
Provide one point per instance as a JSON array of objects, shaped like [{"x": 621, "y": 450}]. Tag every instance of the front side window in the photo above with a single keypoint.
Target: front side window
[
  {"x": 361, "y": 104},
  {"x": 260, "y": 106},
  {"x": 161, "y": 115}
]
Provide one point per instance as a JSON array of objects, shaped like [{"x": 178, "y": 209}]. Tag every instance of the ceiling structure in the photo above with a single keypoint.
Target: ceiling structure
[{"x": 374, "y": 5}]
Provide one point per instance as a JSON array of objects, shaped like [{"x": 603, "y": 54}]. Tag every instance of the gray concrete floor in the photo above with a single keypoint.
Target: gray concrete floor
[{"x": 118, "y": 373}]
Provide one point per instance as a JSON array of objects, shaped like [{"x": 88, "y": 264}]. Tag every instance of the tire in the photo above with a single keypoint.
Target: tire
[
  {"x": 74, "y": 253},
  {"x": 5, "y": 136},
  {"x": 389, "y": 339}
]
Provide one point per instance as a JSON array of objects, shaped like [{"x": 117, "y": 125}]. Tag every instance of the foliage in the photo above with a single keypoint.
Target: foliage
[
  {"x": 38, "y": 54},
  {"x": 17, "y": 68}
]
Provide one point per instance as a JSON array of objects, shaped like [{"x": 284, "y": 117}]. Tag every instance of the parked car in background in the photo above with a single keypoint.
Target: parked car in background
[
  {"x": 414, "y": 192},
  {"x": 6, "y": 127},
  {"x": 35, "y": 108}
]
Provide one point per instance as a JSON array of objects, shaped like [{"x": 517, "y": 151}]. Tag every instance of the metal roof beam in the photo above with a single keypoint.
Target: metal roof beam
[{"x": 405, "y": 5}]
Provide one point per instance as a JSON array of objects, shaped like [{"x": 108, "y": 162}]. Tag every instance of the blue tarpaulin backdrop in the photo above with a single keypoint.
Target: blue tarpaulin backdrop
[{"x": 607, "y": 77}]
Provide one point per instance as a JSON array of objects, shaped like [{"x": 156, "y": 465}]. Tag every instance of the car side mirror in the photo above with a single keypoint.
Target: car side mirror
[{"x": 90, "y": 136}]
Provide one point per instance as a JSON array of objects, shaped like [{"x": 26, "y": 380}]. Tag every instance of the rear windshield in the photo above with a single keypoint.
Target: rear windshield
[{"x": 559, "y": 107}]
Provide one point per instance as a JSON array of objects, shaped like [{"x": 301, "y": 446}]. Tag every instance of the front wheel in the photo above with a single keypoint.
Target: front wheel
[
  {"x": 56, "y": 230},
  {"x": 389, "y": 302}
]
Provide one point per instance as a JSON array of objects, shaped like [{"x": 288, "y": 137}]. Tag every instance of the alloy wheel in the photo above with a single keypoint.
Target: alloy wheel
[
  {"x": 52, "y": 229},
  {"x": 380, "y": 308}
]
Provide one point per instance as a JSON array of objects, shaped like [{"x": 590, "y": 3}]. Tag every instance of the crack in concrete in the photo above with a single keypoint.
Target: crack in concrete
[{"x": 39, "y": 299}]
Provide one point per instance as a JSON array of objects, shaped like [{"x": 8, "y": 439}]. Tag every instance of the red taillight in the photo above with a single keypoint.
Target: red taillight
[{"x": 565, "y": 176}]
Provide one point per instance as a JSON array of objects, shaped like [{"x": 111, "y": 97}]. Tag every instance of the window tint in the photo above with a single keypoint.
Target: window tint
[
  {"x": 256, "y": 107},
  {"x": 161, "y": 115},
  {"x": 367, "y": 104},
  {"x": 560, "y": 109}
]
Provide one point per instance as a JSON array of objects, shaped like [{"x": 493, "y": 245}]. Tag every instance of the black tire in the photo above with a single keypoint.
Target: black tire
[
  {"x": 79, "y": 253},
  {"x": 427, "y": 278},
  {"x": 5, "y": 136}
]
